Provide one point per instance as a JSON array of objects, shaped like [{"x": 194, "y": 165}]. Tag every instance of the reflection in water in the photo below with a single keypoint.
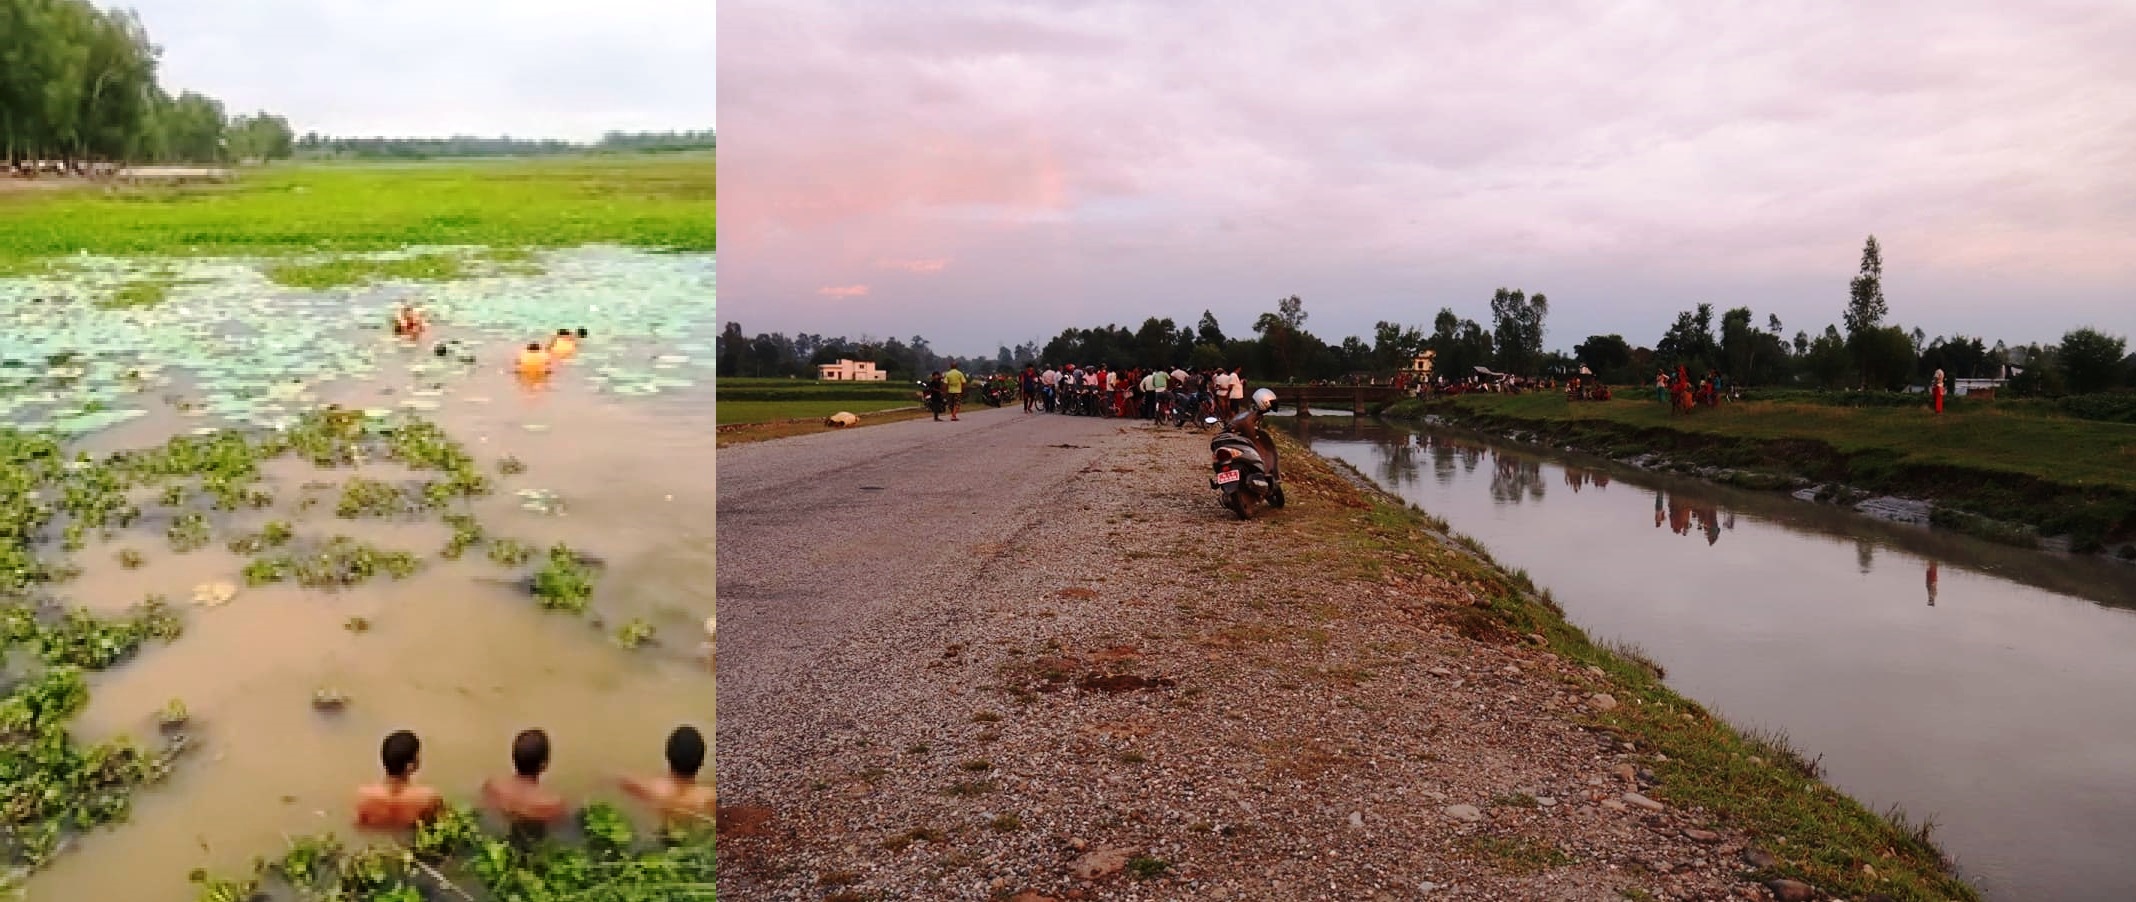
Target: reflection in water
[{"x": 2022, "y": 690}]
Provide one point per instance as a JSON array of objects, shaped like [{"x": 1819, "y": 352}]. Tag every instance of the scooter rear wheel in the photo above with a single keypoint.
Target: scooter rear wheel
[
  {"x": 1237, "y": 503},
  {"x": 1275, "y": 497}
]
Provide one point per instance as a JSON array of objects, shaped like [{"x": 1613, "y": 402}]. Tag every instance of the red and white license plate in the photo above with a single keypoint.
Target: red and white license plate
[{"x": 1226, "y": 477}]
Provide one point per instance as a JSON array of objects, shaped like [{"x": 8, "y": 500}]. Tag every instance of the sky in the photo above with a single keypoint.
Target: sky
[
  {"x": 985, "y": 173},
  {"x": 434, "y": 68}
]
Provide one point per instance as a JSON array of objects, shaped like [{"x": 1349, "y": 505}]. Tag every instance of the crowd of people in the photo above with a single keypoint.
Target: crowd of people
[
  {"x": 1150, "y": 393},
  {"x": 1683, "y": 395},
  {"x": 399, "y": 802}
]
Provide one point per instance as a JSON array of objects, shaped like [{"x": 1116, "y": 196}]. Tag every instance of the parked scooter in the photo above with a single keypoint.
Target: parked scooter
[{"x": 1243, "y": 458}]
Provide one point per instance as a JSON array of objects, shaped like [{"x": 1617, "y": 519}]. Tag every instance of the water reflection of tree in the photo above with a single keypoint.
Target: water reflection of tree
[
  {"x": 1398, "y": 467},
  {"x": 1442, "y": 461},
  {"x": 1514, "y": 479}
]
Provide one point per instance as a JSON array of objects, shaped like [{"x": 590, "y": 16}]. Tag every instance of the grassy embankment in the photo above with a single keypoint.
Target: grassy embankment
[
  {"x": 665, "y": 201},
  {"x": 1985, "y": 465},
  {"x": 1748, "y": 782},
  {"x": 753, "y": 410}
]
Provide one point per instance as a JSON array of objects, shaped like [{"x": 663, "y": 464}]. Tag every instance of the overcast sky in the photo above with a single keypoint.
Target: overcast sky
[
  {"x": 526, "y": 68},
  {"x": 989, "y": 172}
]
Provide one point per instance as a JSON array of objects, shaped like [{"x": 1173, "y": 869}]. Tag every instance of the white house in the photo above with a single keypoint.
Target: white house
[{"x": 851, "y": 371}]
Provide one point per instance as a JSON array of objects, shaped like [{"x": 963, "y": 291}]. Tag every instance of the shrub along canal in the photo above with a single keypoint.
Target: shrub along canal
[
  {"x": 1979, "y": 686},
  {"x": 350, "y": 534}
]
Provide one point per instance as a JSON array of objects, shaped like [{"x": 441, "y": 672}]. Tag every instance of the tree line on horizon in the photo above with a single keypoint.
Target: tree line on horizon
[
  {"x": 78, "y": 85},
  {"x": 316, "y": 146},
  {"x": 1862, "y": 351}
]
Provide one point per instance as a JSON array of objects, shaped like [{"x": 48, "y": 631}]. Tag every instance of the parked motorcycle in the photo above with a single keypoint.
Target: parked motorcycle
[
  {"x": 933, "y": 399},
  {"x": 1243, "y": 459}
]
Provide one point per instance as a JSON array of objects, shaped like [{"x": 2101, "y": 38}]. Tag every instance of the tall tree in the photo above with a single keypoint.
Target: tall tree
[
  {"x": 2090, "y": 360},
  {"x": 1517, "y": 329},
  {"x": 1866, "y": 308}
]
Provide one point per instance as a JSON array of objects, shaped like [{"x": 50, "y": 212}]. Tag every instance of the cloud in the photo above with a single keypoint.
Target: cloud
[
  {"x": 528, "y": 68},
  {"x": 1104, "y": 161},
  {"x": 919, "y": 266},
  {"x": 843, "y": 291}
]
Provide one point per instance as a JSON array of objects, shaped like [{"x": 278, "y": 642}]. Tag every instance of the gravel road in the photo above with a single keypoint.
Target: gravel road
[{"x": 1028, "y": 658}]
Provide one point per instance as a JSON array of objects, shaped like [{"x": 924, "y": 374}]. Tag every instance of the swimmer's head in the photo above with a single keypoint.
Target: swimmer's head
[
  {"x": 533, "y": 346},
  {"x": 563, "y": 333},
  {"x": 398, "y": 753},
  {"x": 686, "y": 752},
  {"x": 530, "y": 753},
  {"x": 582, "y": 332}
]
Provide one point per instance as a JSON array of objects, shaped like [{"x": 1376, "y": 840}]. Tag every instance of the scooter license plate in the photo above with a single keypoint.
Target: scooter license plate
[{"x": 1227, "y": 477}]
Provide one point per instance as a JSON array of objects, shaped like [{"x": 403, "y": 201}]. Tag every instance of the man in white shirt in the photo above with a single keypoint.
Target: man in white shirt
[
  {"x": 1051, "y": 380},
  {"x": 1220, "y": 389}
]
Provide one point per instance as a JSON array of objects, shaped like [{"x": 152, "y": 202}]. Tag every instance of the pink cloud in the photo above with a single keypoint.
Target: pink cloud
[
  {"x": 932, "y": 265},
  {"x": 843, "y": 291}
]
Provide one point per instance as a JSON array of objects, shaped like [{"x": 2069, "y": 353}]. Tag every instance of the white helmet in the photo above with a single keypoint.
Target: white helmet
[{"x": 1264, "y": 399}]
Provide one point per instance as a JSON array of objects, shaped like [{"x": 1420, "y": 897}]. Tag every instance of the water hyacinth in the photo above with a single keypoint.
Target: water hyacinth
[{"x": 228, "y": 342}]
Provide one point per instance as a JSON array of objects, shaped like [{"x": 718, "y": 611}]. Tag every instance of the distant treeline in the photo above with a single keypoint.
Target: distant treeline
[
  {"x": 1867, "y": 353},
  {"x": 316, "y": 145},
  {"x": 78, "y": 85}
]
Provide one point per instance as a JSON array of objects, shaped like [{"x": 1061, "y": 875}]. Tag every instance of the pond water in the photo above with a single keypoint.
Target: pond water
[
  {"x": 1981, "y": 686},
  {"x": 618, "y": 455}
]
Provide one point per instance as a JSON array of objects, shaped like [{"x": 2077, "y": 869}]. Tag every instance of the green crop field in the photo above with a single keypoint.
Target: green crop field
[
  {"x": 664, "y": 201},
  {"x": 771, "y": 400},
  {"x": 2058, "y": 449}
]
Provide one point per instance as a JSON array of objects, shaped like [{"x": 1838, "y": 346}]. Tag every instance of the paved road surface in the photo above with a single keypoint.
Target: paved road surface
[{"x": 822, "y": 536}]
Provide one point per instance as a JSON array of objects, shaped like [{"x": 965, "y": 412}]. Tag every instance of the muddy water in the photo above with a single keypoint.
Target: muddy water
[
  {"x": 1982, "y": 686},
  {"x": 456, "y": 652}
]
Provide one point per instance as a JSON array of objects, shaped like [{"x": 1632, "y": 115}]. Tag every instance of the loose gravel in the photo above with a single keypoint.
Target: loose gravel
[{"x": 1029, "y": 658}]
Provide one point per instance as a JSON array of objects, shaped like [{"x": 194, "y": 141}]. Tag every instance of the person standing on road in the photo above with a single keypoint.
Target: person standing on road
[
  {"x": 1028, "y": 387},
  {"x": 953, "y": 389},
  {"x": 1049, "y": 384},
  {"x": 1238, "y": 393}
]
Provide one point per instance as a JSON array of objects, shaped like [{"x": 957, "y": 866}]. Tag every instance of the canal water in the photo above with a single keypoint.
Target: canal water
[{"x": 1985, "y": 687}]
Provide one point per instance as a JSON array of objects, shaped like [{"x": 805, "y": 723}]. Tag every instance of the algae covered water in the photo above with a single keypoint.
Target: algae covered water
[
  {"x": 611, "y": 457},
  {"x": 1980, "y": 686}
]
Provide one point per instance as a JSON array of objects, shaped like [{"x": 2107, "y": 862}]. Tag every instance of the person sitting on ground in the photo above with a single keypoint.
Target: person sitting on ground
[
  {"x": 677, "y": 793},
  {"x": 397, "y": 802},
  {"x": 563, "y": 345},
  {"x": 534, "y": 361},
  {"x": 521, "y": 798}
]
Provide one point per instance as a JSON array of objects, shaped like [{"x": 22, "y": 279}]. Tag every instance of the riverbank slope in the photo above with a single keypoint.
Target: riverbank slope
[
  {"x": 1124, "y": 694},
  {"x": 2023, "y": 478}
]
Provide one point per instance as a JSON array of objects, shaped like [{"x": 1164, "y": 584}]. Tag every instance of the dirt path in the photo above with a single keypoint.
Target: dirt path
[{"x": 993, "y": 660}]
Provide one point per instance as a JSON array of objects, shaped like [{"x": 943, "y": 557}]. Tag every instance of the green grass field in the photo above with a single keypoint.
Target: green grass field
[
  {"x": 654, "y": 200},
  {"x": 732, "y": 412},
  {"x": 2057, "y": 449},
  {"x": 771, "y": 400}
]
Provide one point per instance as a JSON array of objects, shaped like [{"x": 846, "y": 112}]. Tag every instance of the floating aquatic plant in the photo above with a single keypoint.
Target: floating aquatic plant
[
  {"x": 466, "y": 533},
  {"x": 565, "y": 582},
  {"x": 510, "y": 552},
  {"x": 188, "y": 533},
  {"x": 635, "y": 633},
  {"x": 611, "y": 865},
  {"x": 338, "y": 562}
]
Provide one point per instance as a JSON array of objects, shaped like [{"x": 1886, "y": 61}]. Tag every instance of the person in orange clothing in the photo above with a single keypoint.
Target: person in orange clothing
[
  {"x": 563, "y": 345},
  {"x": 534, "y": 361}
]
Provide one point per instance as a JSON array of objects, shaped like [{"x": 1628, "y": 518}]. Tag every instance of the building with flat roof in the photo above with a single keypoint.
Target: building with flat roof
[{"x": 851, "y": 371}]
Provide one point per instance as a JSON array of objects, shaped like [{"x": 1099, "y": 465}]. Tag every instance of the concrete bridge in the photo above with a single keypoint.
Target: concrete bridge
[{"x": 1358, "y": 398}]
